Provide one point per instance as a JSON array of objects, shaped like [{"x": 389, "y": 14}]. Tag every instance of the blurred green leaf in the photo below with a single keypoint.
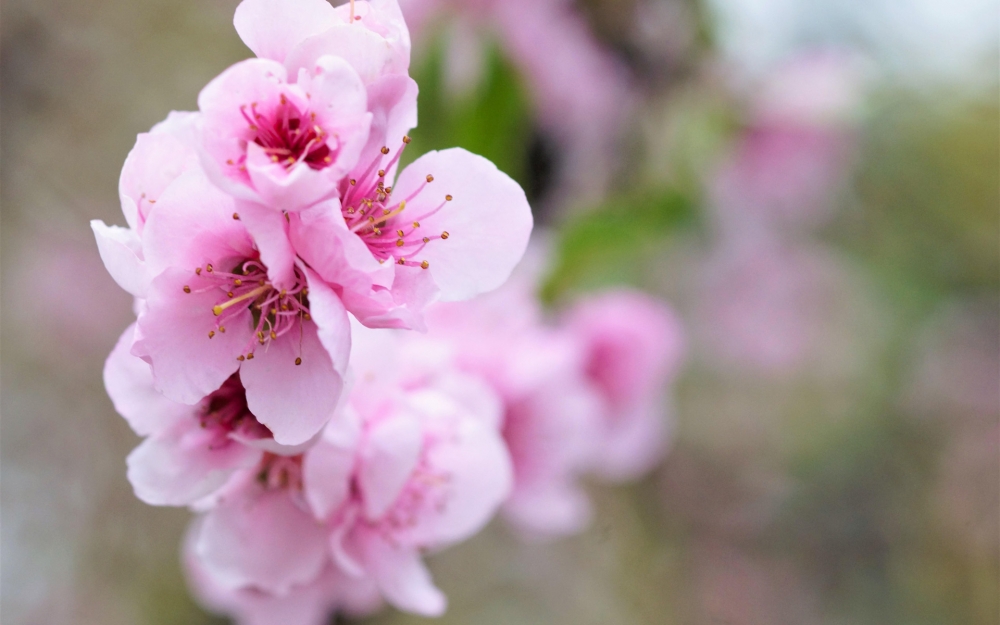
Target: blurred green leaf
[{"x": 611, "y": 244}]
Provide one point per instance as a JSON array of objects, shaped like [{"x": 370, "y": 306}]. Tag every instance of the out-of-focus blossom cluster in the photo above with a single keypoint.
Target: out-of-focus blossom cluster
[{"x": 311, "y": 368}]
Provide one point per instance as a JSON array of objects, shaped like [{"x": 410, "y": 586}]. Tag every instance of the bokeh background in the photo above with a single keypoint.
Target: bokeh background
[{"x": 812, "y": 184}]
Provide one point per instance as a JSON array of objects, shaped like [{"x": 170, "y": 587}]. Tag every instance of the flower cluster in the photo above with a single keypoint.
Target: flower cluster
[{"x": 280, "y": 263}]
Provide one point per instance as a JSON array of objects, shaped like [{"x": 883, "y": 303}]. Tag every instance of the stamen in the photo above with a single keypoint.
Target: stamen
[{"x": 217, "y": 310}]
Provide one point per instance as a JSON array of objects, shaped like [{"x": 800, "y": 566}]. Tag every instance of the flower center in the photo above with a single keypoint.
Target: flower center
[
  {"x": 277, "y": 471},
  {"x": 289, "y": 135},
  {"x": 373, "y": 214},
  {"x": 226, "y": 411},
  {"x": 276, "y": 312}
]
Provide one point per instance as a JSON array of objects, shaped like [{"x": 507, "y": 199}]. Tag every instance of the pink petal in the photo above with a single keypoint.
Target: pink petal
[
  {"x": 293, "y": 401},
  {"x": 488, "y": 220},
  {"x": 479, "y": 479},
  {"x": 257, "y": 537},
  {"x": 156, "y": 160},
  {"x": 401, "y": 576},
  {"x": 327, "y": 468},
  {"x": 392, "y": 100},
  {"x": 269, "y": 230},
  {"x": 173, "y": 336},
  {"x": 121, "y": 252},
  {"x": 332, "y": 322},
  {"x": 129, "y": 383},
  {"x": 185, "y": 463},
  {"x": 273, "y": 27},
  {"x": 364, "y": 50},
  {"x": 192, "y": 226},
  {"x": 387, "y": 461},
  {"x": 555, "y": 509}
]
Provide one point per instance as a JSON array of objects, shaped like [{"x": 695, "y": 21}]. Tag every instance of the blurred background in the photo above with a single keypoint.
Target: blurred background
[{"x": 812, "y": 184}]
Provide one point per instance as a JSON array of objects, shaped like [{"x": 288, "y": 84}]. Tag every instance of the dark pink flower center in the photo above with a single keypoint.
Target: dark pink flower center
[
  {"x": 226, "y": 411},
  {"x": 373, "y": 214},
  {"x": 275, "y": 312},
  {"x": 289, "y": 135}
]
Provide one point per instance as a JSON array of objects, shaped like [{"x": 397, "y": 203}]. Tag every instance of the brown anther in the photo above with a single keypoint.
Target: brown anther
[
  {"x": 263, "y": 281},
  {"x": 401, "y": 261},
  {"x": 448, "y": 198},
  {"x": 274, "y": 335},
  {"x": 426, "y": 239},
  {"x": 306, "y": 316},
  {"x": 260, "y": 334},
  {"x": 445, "y": 235},
  {"x": 197, "y": 271},
  {"x": 381, "y": 173},
  {"x": 230, "y": 294},
  {"x": 222, "y": 329},
  {"x": 250, "y": 356},
  {"x": 236, "y": 216},
  {"x": 430, "y": 178},
  {"x": 406, "y": 139},
  {"x": 208, "y": 267},
  {"x": 399, "y": 243},
  {"x": 385, "y": 150},
  {"x": 284, "y": 293},
  {"x": 284, "y": 307},
  {"x": 424, "y": 264},
  {"x": 238, "y": 282},
  {"x": 187, "y": 289},
  {"x": 241, "y": 358},
  {"x": 416, "y": 224},
  {"x": 353, "y": 182},
  {"x": 211, "y": 333},
  {"x": 399, "y": 232},
  {"x": 305, "y": 291},
  {"x": 377, "y": 232}
]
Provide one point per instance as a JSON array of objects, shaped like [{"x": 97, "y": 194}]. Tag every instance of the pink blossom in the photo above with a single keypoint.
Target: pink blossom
[
  {"x": 450, "y": 227},
  {"x": 212, "y": 310},
  {"x": 633, "y": 344},
  {"x": 190, "y": 451},
  {"x": 371, "y": 36},
  {"x": 307, "y": 604},
  {"x": 551, "y": 434},
  {"x": 283, "y": 143},
  {"x": 155, "y": 162},
  {"x": 416, "y": 464}
]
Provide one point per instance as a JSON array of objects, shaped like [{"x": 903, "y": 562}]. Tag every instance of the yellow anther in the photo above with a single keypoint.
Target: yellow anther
[
  {"x": 197, "y": 271},
  {"x": 416, "y": 224},
  {"x": 385, "y": 150},
  {"x": 241, "y": 358},
  {"x": 230, "y": 293},
  {"x": 399, "y": 232},
  {"x": 211, "y": 333},
  {"x": 399, "y": 243},
  {"x": 381, "y": 173},
  {"x": 222, "y": 329},
  {"x": 430, "y": 178},
  {"x": 238, "y": 282},
  {"x": 401, "y": 261},
  {"x": 208, "y": 267},
  {"x": 426, "y": 240},
  {"x": 406, "y": 139},
  {"x": 424, "y": 264},
  {"x": 445, "y": 235},
  {"x": 250, "y": 356},
  {"x": 274, "y": 335},
  {"x": 217, "y": 310},
  {"x": 448, "y": 198}
]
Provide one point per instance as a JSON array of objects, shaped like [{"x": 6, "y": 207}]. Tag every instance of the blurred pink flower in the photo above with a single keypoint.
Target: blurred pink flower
[
  {"x": 784, "y": 170},
  {"x": 392, "y": 249},
  {"x": 416, "y": 464},
  {"x": 776, "y": 307},
  {"x": 211, "y": 306},
  {"x": 376, "y": 42},
  {"x": 633, "y": 348},
  {"x": 189, "y": 451}
]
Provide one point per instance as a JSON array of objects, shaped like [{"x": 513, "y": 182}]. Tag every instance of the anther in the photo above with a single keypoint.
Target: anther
[
  {"x": 197, "y": 271},
  {"x": 399, "y": 232},
  {"x": 381, "y": 173},
  {"x": 237, "y": 282},
  {"x": 401, "y": 261},
  {"x": 230, "y": 294},
  {"x": 250, "y": 356},
  {"x": 426, "y": 239},
  {"x": 236, "y": 216},
  {"x": 448, "y": 198},
  {"x": 208, "y": 267},
  {"x": 424, "y": 264},
  {"x": 416, "y": 224},
  {"x": 241, "y": 358},
  {"x": 222, "y": 329},
  {"x": 187, "y": 289},
  {"x": 211, "y": 333},
  {"x": 430, "y": 178},
  {"x": 385, "y": 150},
  {"x": 298, "y": 361},
  {"x": 353, "y": 182},
  {"x": 399, "y": 243},
  {"x": 406, "y": 139},
  {"x": 445, "y": 235},
  {"x": 274, "y": 335}
]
